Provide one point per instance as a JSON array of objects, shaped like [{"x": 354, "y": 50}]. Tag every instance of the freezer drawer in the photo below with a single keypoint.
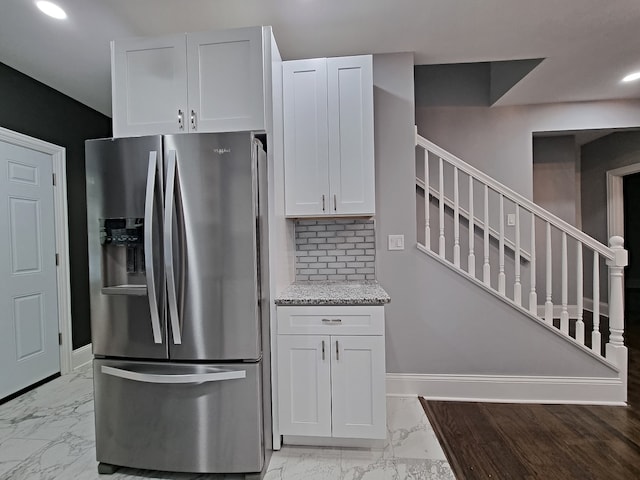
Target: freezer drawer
[{"x": 179, "y": 417}]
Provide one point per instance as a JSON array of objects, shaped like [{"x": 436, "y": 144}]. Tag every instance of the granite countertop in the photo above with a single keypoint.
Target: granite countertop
[{"x": 333, "y": 293}]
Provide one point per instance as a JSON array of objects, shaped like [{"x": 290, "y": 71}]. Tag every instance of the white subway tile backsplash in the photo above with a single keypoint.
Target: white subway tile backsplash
[{"x": 338, "y": 249}]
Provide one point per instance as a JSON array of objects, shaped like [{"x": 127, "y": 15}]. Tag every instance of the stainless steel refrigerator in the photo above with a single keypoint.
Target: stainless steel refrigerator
[{"x": 181, "y": 376}]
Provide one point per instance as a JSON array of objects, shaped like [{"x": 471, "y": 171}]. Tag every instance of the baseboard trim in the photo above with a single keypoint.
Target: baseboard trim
[
  {"x": 509, "y": 389},
  {"x": 332, "y": 442},
  {"x": 81, "y": 356}
]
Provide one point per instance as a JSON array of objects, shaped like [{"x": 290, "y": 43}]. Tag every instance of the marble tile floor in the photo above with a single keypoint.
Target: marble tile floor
[{"x": 48, "y": 433}]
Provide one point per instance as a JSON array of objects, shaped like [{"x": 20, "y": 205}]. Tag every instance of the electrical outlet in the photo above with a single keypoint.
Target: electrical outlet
[
  {"x": 396, "y": 242},
  {"x": 511, "y": 219}
]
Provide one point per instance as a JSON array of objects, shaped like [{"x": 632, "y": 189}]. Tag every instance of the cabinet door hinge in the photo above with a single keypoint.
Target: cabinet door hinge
[
  {"x": 59, "y": 338},
  {"x": 57, "y": 259},
  {"x": 53, "y": 175}
]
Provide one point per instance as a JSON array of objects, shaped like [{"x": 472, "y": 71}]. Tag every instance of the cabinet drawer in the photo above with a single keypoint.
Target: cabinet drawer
[{"x": 331, "y": 320}]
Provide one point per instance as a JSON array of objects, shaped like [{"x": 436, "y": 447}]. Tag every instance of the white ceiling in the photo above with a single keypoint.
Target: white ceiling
[{"x": 589, "y": 45}]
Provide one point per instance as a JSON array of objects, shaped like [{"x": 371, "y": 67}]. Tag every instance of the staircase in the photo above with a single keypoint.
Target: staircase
[{"x": 537, "y": 263}]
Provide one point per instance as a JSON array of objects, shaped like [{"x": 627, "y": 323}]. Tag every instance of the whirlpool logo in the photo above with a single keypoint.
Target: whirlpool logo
[{"x": 222, "y": 151}]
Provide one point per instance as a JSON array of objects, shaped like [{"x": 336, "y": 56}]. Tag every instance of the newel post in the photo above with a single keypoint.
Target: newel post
[{"x": 616, "y": 351}]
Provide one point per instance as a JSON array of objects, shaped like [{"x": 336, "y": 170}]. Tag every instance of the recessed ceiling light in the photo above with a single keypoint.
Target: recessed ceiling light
[
  {"x": 52, "y": 10},
  {"x": 631, "y": 77}
]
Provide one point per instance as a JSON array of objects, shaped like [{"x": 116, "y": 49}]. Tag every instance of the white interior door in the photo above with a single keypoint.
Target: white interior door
[{"x": 29, "y": 349}]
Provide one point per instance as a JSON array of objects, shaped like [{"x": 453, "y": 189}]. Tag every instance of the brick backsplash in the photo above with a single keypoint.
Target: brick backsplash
[{"x": 335, "y": 250}]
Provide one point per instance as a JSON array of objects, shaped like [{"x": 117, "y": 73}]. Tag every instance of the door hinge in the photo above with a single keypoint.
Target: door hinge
[
  {"x": 53, "y": 175},
  {"x": 59, "y": 338},
  {"x": 57, "y": 259}
]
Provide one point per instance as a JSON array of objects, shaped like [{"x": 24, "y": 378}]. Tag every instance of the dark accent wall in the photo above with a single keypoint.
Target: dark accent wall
[{"x": 32, "y": 108}]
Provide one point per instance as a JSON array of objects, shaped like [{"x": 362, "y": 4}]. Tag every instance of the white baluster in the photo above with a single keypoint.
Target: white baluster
[
  {"x": 595, "y": 334},
  {"x": 441, "y": 207},
  {"x": 564, "y": 315},
  {"x": 456, "y": 219},
  {"x": 579, "y": 295},
  {"x": 548, "y": 304},
  {"x": 472, "y": 257},
  {"x": 501, "y": 275},
  {"x": 615, "y": 350},
  {"x": 486, "y": 268},
  {"x": 533, "y": 296},
  {"x": 427, "y": 228},
  {"x": 517, "y": 286}
]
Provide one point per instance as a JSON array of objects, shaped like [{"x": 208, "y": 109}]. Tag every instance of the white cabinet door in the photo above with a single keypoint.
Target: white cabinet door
[
  {"x": 350, "y": 114},
  {"x": 304, "y": 385},
  {"x": 306, "y": 137},
  {"x": 149, "y": 85},
  {"x": 358, "y": 389},
  {"x": 226, "y": 81}
]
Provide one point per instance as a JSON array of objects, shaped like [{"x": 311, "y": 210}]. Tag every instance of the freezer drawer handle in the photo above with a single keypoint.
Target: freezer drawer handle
[
  {"x": 186, "y": 378},
  {"x": 148, "y": 246},
  {"x": 169, "y": 202}
]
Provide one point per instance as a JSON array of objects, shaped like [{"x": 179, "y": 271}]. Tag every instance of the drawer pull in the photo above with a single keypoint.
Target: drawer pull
[
  {"x": 337, "y": 351},
  {"x": 331, "y": 320},
  {"x": 322, "y": 349}
]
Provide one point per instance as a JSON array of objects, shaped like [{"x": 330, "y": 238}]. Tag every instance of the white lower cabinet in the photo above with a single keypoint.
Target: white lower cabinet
[{"x": 331, "y": 385}]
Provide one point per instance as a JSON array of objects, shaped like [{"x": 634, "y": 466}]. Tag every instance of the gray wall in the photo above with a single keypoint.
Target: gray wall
[
  {"x": 437, "y": 321},
  {"x": 498, "y": 140},
  {"x": 454, "y": 84},
  {"x": 556, "y": 189},
  {"x": 607, "y": 153},
  {"x": 555, "y": 176}
]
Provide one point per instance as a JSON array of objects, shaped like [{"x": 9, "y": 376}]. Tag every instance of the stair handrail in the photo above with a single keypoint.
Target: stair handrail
[
  {"x": 515, "y": 197},
  {"x": 615, "y": 255}
]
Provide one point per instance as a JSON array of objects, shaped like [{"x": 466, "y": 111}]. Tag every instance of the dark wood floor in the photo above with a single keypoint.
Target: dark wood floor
[{"x": 514, "y": 441}]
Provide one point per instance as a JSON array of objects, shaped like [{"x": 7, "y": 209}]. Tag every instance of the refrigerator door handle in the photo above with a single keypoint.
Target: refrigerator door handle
[
  {"x": 169, "y": 203},
  {"x": 148, "y": 245},
  {"x": 216, "y": 376}
]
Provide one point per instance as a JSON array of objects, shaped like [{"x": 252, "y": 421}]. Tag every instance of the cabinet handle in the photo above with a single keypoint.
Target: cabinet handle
[
  {"x": 337, "y": 351},
  {"x": 193, "y": 120},
  {"x": 331, "y": 320},
  {"x": 323, "y": 202},
  {"x": 335, "y": 203},
  {"x": 322, "y": 349},
  {"x": 180, "y": 119}
]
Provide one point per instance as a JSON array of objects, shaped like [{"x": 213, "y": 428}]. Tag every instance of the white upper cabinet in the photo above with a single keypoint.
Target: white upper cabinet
[
  {"x": 225, "y": 73},
  {"x": 350, "y": 113},
  {"x": 306, "y": 139},
  {"x": 328, "y": 131},
  {"x": 199, "y": 82},
  {"x": 149, "y": 85}
]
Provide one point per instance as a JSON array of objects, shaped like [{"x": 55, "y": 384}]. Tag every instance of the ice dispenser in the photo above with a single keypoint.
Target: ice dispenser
[{"x": 123, "y": 269}]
